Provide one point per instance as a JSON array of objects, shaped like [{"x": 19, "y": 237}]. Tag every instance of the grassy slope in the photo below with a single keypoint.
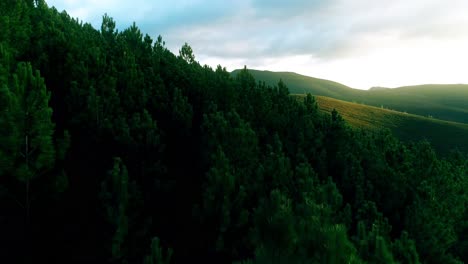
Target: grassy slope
[
  {"x": 300, "y": 84},
  {"x": 448, "y": 102},
  {"x": 443, "y": 135}
]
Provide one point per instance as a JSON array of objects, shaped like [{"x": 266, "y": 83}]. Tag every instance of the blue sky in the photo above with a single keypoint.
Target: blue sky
[{"x": 360, "y": 43}]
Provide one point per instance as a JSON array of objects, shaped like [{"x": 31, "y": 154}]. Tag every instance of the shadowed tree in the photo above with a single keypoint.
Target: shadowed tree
[
  {"x": 156, "y": 255},
  {"x": 26, "y": 150},
  {"x": 115, "y": 196}
]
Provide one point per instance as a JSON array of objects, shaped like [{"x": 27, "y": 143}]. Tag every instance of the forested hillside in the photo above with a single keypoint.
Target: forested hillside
[
  {"x": 444, "y": 136},
  {"x": 442, "y": 101},
  {"x": 115, "y": 150}
]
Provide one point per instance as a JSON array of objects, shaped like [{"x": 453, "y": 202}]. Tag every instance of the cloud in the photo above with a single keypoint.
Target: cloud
[{"x": 337, "y": 39}]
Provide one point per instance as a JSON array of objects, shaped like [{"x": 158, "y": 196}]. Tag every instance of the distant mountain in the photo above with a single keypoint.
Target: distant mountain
[
  {"x": 378, "y": 88},
  {"x": 441, "y": 101},
  {"x": 443, "y": 135},
  {"x": 301, "y": 84}
]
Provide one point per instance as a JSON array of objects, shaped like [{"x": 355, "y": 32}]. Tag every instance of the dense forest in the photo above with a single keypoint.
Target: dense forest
[{"x": 115, "y": 150}]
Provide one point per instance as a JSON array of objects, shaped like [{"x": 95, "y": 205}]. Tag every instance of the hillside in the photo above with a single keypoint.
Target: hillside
[
  {"x": 443, "y": 135},
  {"x": 113, "y": 149},
  {"x": 301, "y": 84},
  {"x": 447, "y": 102}
]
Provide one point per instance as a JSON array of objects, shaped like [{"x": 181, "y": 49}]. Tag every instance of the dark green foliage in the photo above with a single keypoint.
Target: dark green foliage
[
  {"x": 115, "y": 197},
  {"x": 27, "y": 150},
  {"x": 405, "y": 250},
  {"x": 212, "y": 168},
  {"x": 33, "y": 125},
  {"x": 157, "y": 255},
  {"x": 186, "y": 53}
]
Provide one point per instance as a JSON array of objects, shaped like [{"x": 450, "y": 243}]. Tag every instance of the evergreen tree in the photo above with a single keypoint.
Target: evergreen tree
[
  {"x": 115, "y": 196},
  {"x": 31, "y": 128},
  {"x": 186, "y": 53},
  {"x": 221, "y": 167},
  {"x": 157, "y": 255},
  {"x": 26, "y": 145}
]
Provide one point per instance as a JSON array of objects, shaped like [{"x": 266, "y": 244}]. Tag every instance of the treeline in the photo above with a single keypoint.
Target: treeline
[{"x": 115, "y": 150}]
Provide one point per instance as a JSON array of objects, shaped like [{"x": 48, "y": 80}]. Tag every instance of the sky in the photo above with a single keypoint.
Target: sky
[{"x": 360, "y": 43}]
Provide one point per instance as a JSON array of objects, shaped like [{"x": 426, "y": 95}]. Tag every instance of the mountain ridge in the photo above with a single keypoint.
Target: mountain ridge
[
  {"x": 234, "y": 72},
  {"x": 442, "y": 101}
]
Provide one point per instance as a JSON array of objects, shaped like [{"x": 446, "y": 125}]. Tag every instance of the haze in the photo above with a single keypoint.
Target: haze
[{"x": 361, "y": 43}]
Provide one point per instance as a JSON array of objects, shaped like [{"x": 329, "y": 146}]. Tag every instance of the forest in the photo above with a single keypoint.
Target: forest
[{"x": 115, "y": 150}]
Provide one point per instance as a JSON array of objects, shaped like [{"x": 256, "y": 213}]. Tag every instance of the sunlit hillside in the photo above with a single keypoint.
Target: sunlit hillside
[
  {"x": 443, "y": 135},
  {"x": 447, "y": 102}
]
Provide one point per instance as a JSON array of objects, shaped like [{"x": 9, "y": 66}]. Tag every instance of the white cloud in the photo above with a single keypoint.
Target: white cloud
[{"x": 361, "y": 43}]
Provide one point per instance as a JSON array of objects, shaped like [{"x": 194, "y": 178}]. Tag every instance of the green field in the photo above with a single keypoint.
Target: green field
[
  {"x": 443, "y": 135},
  {"x": 446, "y": 102}
]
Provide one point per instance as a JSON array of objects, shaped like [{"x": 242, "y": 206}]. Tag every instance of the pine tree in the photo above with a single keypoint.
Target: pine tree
[
  {"x": 7, "y": 101},
  {"x": 157, "y": 255},
  {"x": 186, "y": 53},
  {"x": 32, "y": 115},
  {"x": 115, "y": 196},
  {"x": 405, "y": 250},
  {"x": 26, "y": 148}
]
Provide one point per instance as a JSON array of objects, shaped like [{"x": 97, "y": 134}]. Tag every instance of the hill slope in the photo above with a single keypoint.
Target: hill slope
[
  {"x": 443, "y": 135},
  {"x": 447, "y": 102},
  {"x": 113, "y": 149},
  {"x": 301, "y": 84}
]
